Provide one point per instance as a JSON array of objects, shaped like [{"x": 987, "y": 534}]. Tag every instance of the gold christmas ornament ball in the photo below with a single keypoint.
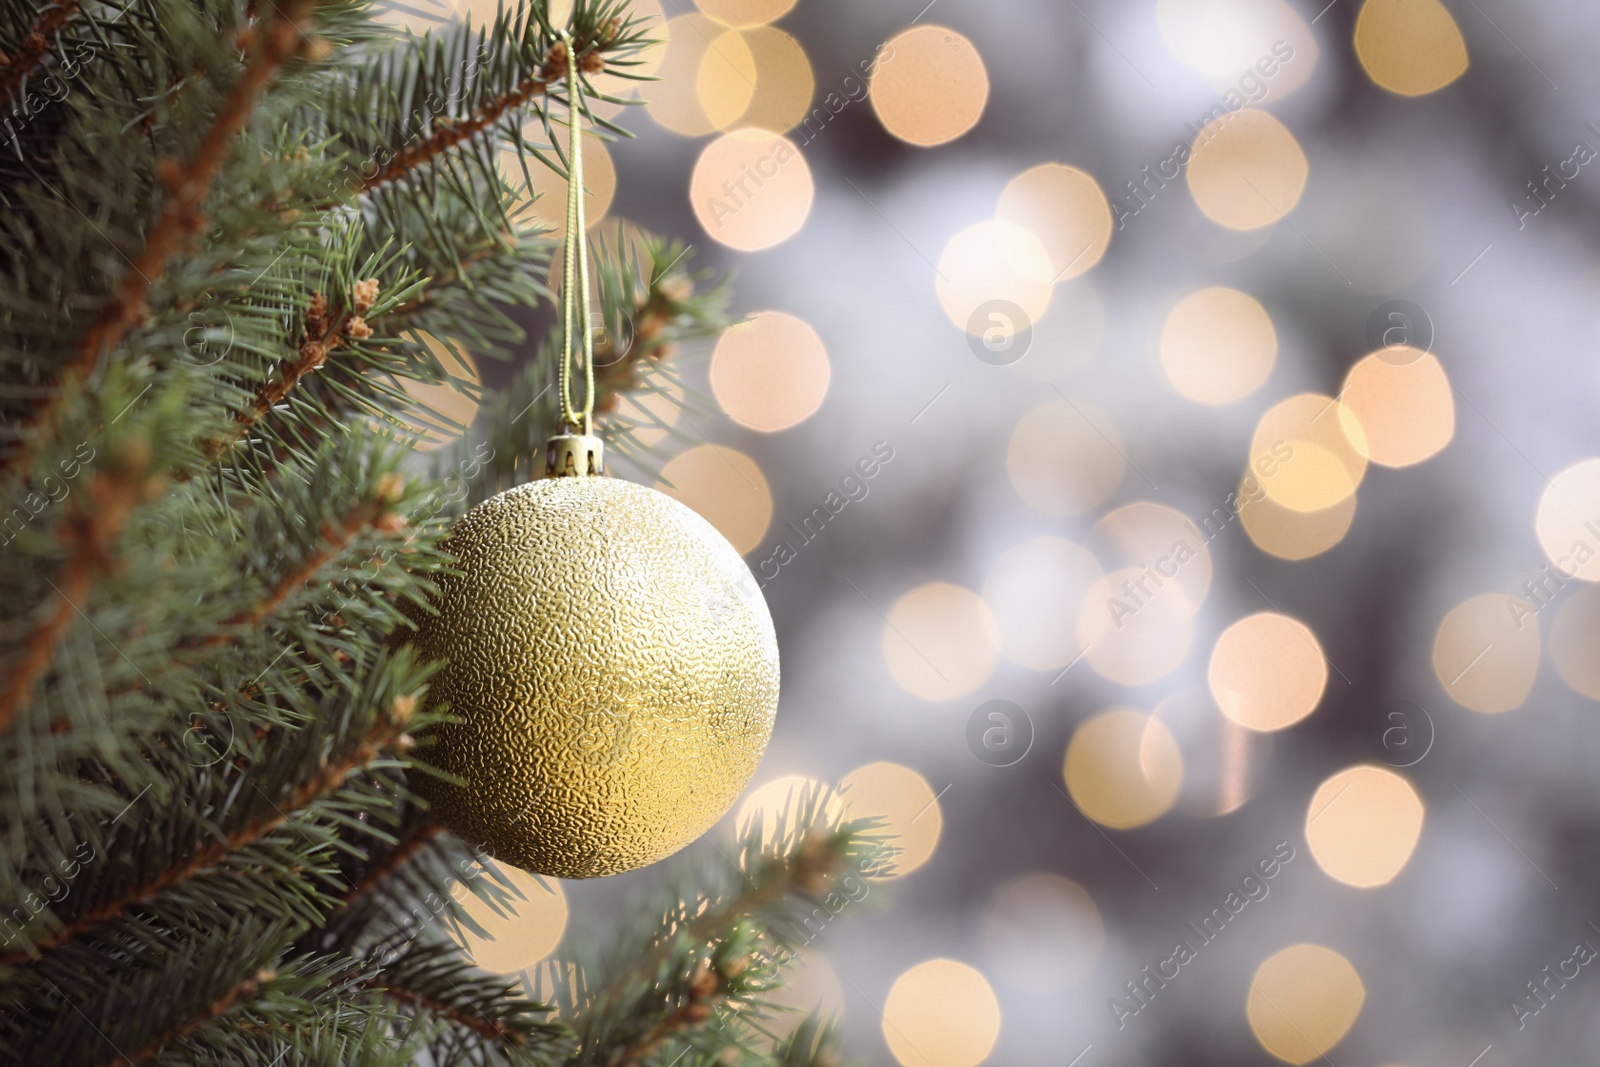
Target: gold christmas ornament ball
[{"x": 614, "y": 669}]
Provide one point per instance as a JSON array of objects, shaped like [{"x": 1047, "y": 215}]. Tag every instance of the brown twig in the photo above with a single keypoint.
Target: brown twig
[
  {"x": 271, "y": 44},
  {"x": 34, "y": 46},
  {"x": 323, "y": 336},
  {"x": 89, "y": 535},
  {"x": 330, "y": 777},
  {"x": 448, "y": 135},
  {"x": 488, "y": 1028},
  {"x": 408, "y": 847},
  {"x": 374, "y": 514},
  {"x": 313, "y": 354},
  {"x": 695, "y": 1010},
  {"x": 244, "y": 990},
  {"x": 334, "y": 539}
]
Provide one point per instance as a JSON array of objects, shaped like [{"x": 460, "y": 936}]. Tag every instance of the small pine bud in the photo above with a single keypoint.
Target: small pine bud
[
  {"x": 391, "y": 487},
  {"x": 592, "y": 63},
  {"x": 704, "y": 983},
  {"x": 555, "y": 61},
  {"x": 649, "y": 326},
  {"x": 390, "y": 523},
  {"x": 364, "y": 294},
  {"x": 403, "y": 708},
  {"x": 317, "y": 313},
  {"x": 313, "y": 353},
  {"x": 405, "y": 742},
  {"x": 676, "y": 288},
  {"x": 318, "y": 48},
  {"x": 697, "y": 1012},
  {"x": 357, "y": 328},
  {"x": 610, "y": 30}
]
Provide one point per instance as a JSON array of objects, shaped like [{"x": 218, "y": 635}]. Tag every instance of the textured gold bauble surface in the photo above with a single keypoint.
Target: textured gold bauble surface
[{"x": 615, "y": 669}]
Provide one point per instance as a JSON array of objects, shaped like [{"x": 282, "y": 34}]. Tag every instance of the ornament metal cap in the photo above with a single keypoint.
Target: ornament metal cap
[{"x": 574, "y": 455}]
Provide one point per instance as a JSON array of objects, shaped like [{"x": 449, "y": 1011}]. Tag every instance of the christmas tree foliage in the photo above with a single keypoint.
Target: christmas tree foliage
[{"x": 229, "y": 228}]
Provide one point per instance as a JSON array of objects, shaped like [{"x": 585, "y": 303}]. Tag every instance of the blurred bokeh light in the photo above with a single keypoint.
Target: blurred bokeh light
[
  {"x": 726, "y": 487},
  {"x": 1043, "y": 932},
  {"x": 1568, "y": 520},
  {"x": 1247, "y": 170},
  {"x": 1363, "y": 824},
  {"x": 931, "y": 85},
  {"x": 1066, "y": 457},
  {"x": 1267, "y": 672},
  {"x": 940, "y": 641},
  {"x": 770, "y": 372},
  {"x": 941, "y": 1013},
  {"x": 1035, "y": 591},
  {"x": 1486, "y": 652},
  {"x": 1123, "y": 769},
  {"x": 905, "y": 807},
  {"x": 1409, "y": 47},
  {"x": 1303, "y": 455},
  {"x": 1064, "y": 208},
  {"x": 1399, "y": 407},
  {"x": 1302, "y": 1001},
  {"x": 522, "y": 932},
  {"x": 751, "y": 189},
  {"x": 1218, "y": 345}
]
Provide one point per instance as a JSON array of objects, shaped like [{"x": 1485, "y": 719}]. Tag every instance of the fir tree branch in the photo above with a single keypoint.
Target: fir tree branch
[
  {"x": 487, "y": 1027},
  {"x": 243, "y": 991},
  {"x": 367, "y": 515},
  {"x": 453, "y": 134},
  {"x": 448, "y": 135},
  {"x": 313, "y": 354},
  {"x": 329, "y": 778},
  {"x": 696, "y": 1009},
  {"x": 34, "y": 46},
  {"x": 271, "y": 44},
  {"x": 89, "y": 536},
  {"x": 408, "y": 846}
]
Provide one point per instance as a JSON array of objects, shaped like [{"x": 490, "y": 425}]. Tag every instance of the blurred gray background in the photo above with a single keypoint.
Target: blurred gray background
[{"x": 1402, "y": 195}]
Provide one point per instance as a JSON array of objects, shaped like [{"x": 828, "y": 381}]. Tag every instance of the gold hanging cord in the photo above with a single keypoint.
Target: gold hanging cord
[{"x": 577, "y": 341}]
